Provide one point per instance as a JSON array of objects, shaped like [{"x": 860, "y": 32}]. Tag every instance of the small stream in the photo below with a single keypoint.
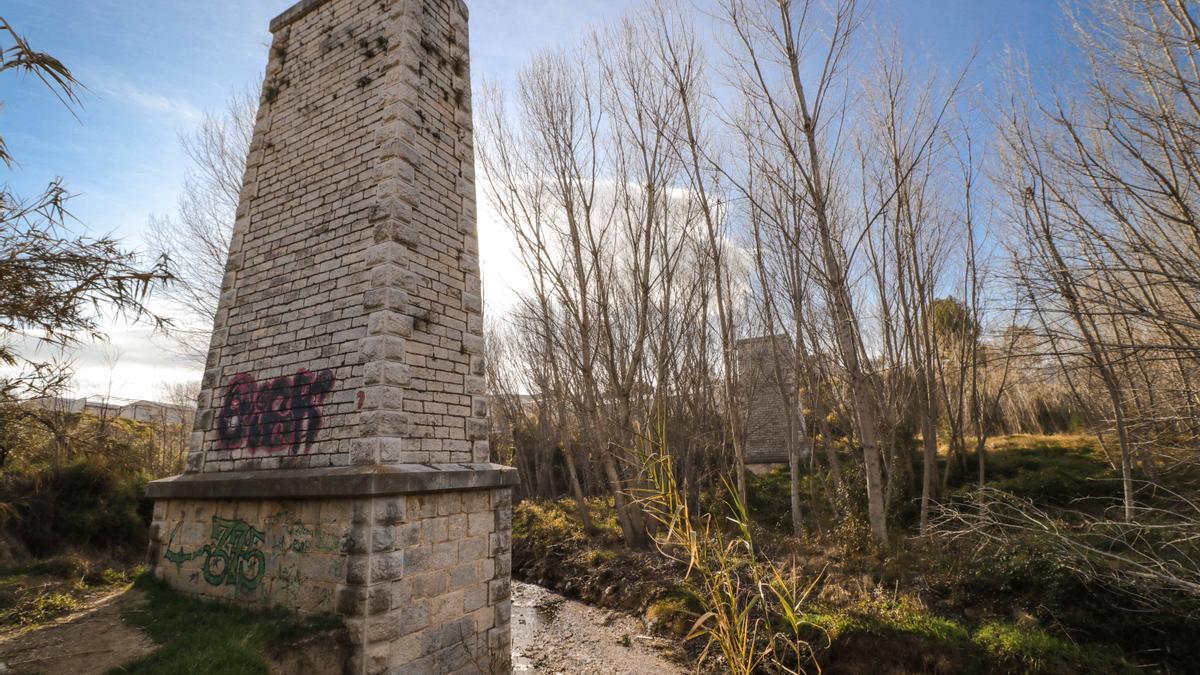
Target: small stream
[
  {"x": 533, "y": 610},
  {"x": 552, "y": 635}
]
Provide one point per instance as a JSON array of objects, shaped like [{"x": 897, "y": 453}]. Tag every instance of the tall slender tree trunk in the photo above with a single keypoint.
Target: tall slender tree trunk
[{"x": 577, "y": 491}]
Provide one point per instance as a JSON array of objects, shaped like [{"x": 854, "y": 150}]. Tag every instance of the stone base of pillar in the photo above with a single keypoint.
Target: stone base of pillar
[{"x": 415, "y": 558}]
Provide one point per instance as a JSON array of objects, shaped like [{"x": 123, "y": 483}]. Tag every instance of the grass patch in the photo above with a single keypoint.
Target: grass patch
[
  {"x": 198, "y": 636},
  {"x": 890, "y": 617},
  {"x": 893, "y": 628},
  {"x": 1034, "y": 650},
  {"x": 1051, "y": 470},
  {"x": 549, "y": 523}
]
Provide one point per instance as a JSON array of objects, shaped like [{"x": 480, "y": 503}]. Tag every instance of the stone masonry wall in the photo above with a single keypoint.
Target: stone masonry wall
[
  {"x": 339, "y": 460},
  {"x": 423, "y": 579},
  {"x": 766, "y": 409},
  {"x": 350, "y": 320}
]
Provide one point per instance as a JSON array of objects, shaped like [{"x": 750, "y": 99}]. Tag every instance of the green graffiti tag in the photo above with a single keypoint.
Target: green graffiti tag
[
  {"x": 177, "y": 557},
  {"x": 232, "y": 558}
]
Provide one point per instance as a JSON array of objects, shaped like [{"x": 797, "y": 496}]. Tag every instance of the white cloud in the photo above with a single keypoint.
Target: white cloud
[
  {"x": 134, "y": 362},
  {"x": 504, "y": 277},
  {"x": 120, "y": 90}
]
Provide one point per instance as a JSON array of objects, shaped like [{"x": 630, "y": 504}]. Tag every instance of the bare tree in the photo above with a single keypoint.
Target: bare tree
[
  {"x": 196, "y": 238},
  {"x": 1101, "y": 189}
]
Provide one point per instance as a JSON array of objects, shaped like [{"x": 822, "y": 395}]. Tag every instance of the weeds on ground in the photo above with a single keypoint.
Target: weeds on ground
[
  {"x": 42, "y": 607},
  {"x": 45, "y": 590}
]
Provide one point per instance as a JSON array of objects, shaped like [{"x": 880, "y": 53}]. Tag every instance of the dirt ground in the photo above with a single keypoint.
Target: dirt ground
[
  {"x": 553, "y": 635},
  {"x": 84, "y": 643}
]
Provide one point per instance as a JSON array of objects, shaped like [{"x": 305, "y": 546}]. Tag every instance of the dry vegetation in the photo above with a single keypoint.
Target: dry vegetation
[
  {"x": 986, "y": 328},
  {"x": 935, "y": 280}
]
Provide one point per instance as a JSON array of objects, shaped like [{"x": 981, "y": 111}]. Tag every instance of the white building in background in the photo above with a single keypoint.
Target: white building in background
[{"x": 115, "y": 407}]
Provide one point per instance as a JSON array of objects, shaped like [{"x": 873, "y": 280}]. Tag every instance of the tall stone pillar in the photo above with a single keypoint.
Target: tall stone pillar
[{"x": 340, "y": 461}]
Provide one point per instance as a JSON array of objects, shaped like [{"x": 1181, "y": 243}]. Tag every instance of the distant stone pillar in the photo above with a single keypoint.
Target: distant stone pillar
[{"x": 339, "y": 461}]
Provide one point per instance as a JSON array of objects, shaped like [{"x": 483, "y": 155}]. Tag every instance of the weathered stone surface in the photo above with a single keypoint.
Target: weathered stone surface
[
  {"x": 395, "y": 578},
  {"x": 339, "y": 458},
  {"x": 761, "y": 368},
  {"x": 351, "y": 302}
]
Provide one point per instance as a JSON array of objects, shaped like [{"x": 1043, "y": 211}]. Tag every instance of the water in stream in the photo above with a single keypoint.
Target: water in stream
[{"x": 552, "y": 635}]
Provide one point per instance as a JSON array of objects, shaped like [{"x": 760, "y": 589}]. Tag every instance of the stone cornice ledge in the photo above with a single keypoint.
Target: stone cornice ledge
[
  {"x": 342, "y": 481},
  {"x": 294, "y": 12}
]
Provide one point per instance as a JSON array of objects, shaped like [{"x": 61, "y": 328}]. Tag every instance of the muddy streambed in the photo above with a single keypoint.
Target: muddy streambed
[{"x": 553, "y": 635}]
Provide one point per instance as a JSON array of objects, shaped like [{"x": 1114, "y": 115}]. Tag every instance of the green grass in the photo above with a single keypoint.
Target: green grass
[
  {"x": 889, "y": 617},
  {"x": 1051, "y": 470},
  {"x": 197, "y": 636},
  {"x": 992, "y": 647},
  {"x": 1033, "y": 650}
]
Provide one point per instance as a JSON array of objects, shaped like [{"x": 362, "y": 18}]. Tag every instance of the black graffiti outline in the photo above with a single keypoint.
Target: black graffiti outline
[{"x": 275, "y": 414}]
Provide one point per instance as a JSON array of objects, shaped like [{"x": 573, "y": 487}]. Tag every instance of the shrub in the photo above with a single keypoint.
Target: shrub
[
  {"x": 81, "y": 505},
  {"x": 97, "y": 509}
]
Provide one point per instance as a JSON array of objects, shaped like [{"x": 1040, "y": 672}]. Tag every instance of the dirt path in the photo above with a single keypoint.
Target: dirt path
[
  {"x": 85, "y": 643},
  {"x": 553, "y": 635}
]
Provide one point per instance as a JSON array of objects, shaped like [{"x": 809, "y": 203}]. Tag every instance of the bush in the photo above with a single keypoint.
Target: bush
[
  {"x": 81, "y": 505},
  {"x": 98, "y": 510}
]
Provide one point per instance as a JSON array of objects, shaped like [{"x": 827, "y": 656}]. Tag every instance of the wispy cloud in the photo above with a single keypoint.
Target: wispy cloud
[{"x": 121, "y": 91}]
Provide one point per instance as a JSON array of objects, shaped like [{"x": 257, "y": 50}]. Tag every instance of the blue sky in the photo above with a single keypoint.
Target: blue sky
[{"x": 152, "y": 67}]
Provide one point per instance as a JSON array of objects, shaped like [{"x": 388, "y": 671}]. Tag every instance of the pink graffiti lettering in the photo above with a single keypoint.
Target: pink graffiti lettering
[{"x": 273, "y": 415}]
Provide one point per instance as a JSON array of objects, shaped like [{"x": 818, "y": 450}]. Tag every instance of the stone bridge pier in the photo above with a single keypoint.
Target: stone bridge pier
[{"x": 339, "y": 461}]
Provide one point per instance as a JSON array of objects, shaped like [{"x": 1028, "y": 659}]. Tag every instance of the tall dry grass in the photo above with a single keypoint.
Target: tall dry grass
[{"x": 753, "y": 607}]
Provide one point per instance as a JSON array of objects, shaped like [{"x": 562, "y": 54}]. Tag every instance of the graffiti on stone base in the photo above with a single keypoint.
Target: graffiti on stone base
[
  {"x": 232, "y": 558},
  {"x": 273, "y": 415},
  {"x": 304, "y": 539}
]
